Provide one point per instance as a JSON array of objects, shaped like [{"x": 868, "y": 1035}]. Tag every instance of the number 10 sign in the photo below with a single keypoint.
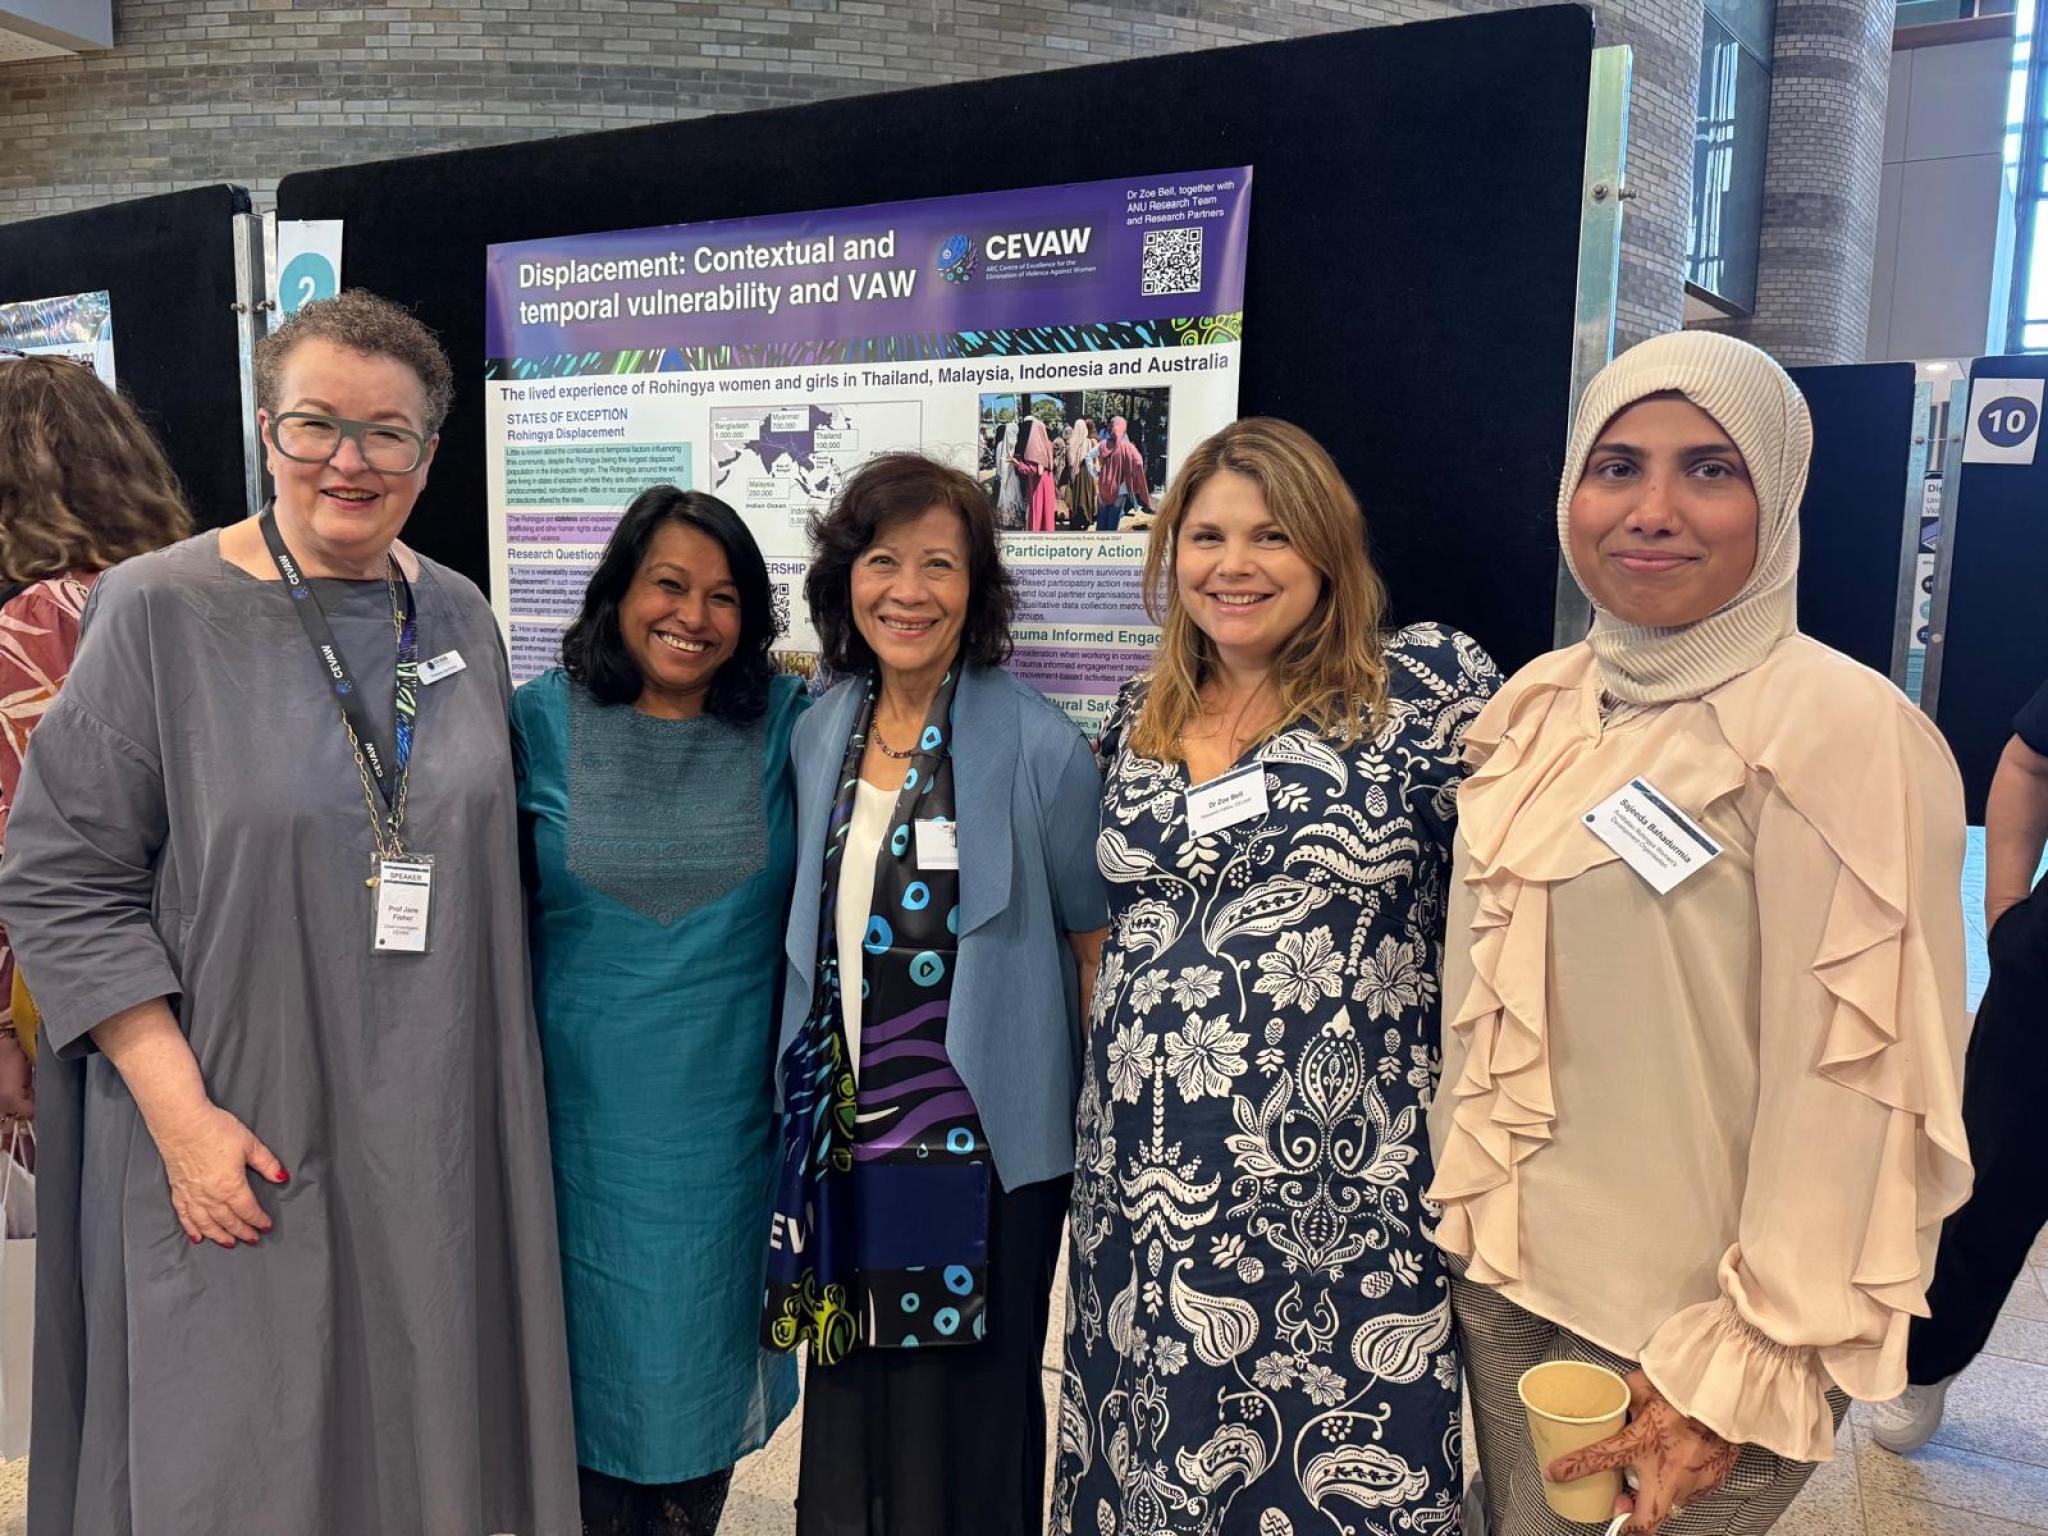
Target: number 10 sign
[{"x": 2005, "y": 421}]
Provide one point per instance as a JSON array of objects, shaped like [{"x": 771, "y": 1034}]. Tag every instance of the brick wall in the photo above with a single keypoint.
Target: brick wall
[
  {"x": 1830, "y": 73},
  {"x": 247, "y": 91}
]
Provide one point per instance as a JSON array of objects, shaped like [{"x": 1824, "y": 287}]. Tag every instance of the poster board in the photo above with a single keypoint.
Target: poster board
[
  {"x": 1920, "y": 603},
  {"x": 167, "y": 266},
  {"x": 1434, "y": 364},
  {"x": 764, "y": 360},
  {"x": 78, "y": 326},
  {"x": 1989, "y": 652},
  {"x": 1850, "y": 520}
]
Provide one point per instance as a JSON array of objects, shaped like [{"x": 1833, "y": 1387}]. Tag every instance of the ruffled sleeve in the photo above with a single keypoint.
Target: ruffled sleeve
[
  {"x": 1497, "y": 1108},
  {"x": 1858, "y": 1151}
]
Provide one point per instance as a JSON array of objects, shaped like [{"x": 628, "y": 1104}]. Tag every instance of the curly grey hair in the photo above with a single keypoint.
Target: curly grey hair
[{"x": 362, "y": 322}]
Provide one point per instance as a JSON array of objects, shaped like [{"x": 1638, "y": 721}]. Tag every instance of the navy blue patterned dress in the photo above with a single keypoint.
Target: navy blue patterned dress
[{"x": 1258, "y": 1332}]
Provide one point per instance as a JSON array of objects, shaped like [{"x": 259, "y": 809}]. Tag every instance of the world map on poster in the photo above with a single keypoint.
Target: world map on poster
[{"x": 795, "y": 457}]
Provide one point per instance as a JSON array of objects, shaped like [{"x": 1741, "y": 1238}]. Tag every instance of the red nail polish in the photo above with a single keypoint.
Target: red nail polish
[
  {"x": 283, "y": 1177},
  {"x": 195, "y": 1240}
]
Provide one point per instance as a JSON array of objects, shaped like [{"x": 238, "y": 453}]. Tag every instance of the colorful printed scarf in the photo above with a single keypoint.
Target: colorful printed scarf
[{"x": 880, "y": 1230}]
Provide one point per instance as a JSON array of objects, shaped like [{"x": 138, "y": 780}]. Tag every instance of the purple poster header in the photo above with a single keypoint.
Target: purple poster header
[{"x": 1098, "y": 252}]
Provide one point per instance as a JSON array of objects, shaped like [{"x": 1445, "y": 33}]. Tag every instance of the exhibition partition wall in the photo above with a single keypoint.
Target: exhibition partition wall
[
  {"x": 1989, "y": 650},
  {"x": 167, "y": 267},
  {"x": 1852, "y": 520},
  {"x": 1409, "y": 278}
]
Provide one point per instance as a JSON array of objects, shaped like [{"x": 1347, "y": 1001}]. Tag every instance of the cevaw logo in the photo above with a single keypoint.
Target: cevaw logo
[
  {"x": 956, "y": 259},
  {"x": 1031, "y": 245}
]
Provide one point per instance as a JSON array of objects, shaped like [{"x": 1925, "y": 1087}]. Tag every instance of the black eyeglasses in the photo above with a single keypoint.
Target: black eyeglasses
[{"x": 309, "y": 438}]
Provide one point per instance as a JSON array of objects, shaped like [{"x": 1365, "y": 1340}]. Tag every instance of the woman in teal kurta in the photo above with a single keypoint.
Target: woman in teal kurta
[{"x": 658, "y": 844}]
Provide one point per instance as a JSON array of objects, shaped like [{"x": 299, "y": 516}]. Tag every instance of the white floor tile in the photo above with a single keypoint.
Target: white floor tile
[
  {"x": 1886, "y": 1516},
  {"x": 1999, "y": 1407},
  {"x": 1831, "y": 1504},
  {"x": 2019, "y": 1338},
  {"x": 1956, "y": 1479}
]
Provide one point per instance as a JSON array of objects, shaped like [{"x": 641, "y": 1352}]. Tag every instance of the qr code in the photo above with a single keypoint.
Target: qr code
[
  {"x": 779, "y": 598},
  {"x": 1173, "y": 261}
]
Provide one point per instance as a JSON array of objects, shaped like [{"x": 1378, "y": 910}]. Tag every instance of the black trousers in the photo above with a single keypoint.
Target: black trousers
[
  {"x": 1984, "y": 1245},
  {"x": 944, "y": 1441},
  {"x": 614, "y": 1507}
]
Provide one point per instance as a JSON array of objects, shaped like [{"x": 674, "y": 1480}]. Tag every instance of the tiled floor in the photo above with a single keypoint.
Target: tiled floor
[{"x": 1986, "y": 1474}]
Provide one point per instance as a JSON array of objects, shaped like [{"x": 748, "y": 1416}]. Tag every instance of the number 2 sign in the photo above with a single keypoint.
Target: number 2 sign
[
  {"x": 2005, "y": 421},
  {"x": 308, "y": 264}
]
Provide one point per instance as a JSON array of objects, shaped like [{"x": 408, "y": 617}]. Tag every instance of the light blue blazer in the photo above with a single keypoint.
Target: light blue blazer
[{"x": 1028, "y": 798}]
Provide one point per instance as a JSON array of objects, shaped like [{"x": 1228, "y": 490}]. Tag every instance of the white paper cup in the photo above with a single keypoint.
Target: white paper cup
[{"x": 1571, "y": 1405}]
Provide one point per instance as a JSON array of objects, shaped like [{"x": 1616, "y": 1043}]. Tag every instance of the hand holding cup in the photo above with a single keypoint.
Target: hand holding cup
[{"x": 1675, "y": 1460}]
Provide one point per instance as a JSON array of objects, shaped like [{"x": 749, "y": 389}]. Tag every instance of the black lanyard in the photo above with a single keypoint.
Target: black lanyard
[{"x": 385, "y": 767}]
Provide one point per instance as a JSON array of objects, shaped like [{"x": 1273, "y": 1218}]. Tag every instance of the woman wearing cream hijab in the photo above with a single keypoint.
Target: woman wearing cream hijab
[{"x": 1707, "y": 1136}]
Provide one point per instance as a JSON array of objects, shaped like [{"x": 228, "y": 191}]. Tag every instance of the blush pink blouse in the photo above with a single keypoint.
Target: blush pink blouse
[{"x": 1715, "y": 1131}]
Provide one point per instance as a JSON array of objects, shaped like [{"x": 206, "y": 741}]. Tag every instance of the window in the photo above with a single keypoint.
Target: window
[
  {"x": 2026, "y": 165},
  {"x": 1730, "y": 131}
]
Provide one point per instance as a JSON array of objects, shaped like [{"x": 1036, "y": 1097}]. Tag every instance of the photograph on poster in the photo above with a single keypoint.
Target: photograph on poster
[
  {"x": 1019, "y": 334},
  {"x": 1083, "y": 430}
]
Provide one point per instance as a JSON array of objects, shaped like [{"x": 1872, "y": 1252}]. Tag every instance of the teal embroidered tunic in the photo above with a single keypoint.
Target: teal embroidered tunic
[{"x": 658, "y": 858}]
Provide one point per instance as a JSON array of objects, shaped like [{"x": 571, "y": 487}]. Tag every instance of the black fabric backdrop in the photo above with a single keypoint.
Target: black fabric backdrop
[
  {"x": 1993, "y": 654},
  {"x": 1414, "y": 248},
  {"x": 1853, "y": 518},
  {"x": 168, "y": 267}
]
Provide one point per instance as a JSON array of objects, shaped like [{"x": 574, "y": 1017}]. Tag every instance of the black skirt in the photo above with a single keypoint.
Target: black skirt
[{"x": 943, "y": 1441}]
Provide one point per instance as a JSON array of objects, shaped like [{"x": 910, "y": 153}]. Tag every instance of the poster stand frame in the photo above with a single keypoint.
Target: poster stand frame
[
  {"x": 1945, "y": 549},
  {"x": 251, "y": 305},
  {"x": 1909, "y": 531},
  {"x": 1601, "y": 214},
  {"x": 270, "y": 316}
]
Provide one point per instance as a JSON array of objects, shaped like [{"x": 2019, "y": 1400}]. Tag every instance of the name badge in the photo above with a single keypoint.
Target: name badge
[
  {"x": 1654, "y": 838},
  {"x": 405, "y": 889},
  {"x": 938, "y": 844},
  {"x": 447, "y": 664},
  {"x": 1225, "y": 801}
]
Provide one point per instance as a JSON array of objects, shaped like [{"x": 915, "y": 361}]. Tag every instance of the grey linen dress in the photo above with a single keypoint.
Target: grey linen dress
[{"x": 390, "y": 1360}]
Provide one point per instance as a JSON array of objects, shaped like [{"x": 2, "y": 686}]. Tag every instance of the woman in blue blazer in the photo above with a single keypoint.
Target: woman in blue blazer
[{"x": 941, "y": 950}]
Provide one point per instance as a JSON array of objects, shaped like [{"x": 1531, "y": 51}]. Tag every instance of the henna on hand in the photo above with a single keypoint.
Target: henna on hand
[{"x": 1676, "y": 1459}]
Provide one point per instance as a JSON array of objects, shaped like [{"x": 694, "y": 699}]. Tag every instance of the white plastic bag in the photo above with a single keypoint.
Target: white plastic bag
[{"x": 17, "y": 1294}]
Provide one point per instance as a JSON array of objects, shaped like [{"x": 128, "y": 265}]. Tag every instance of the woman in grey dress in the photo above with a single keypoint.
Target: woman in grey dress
[{"x": 297, "y": 1268}]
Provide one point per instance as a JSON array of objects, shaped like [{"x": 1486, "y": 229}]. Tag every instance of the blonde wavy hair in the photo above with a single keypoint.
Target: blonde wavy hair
[
  {"x": 1333, "y": 670},
  {"x": 83, "y": 484}
]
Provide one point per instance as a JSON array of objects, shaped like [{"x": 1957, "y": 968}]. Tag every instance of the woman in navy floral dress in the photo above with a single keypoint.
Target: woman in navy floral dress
[{"x": 1259, "y": 1335}]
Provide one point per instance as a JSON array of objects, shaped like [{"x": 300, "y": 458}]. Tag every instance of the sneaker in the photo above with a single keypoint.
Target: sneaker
[
  {"x": 1475, "y": 1507},
  {"x": 1909, "y": 1420}
]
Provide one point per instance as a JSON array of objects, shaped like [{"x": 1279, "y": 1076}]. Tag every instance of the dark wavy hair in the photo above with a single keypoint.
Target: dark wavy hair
[
  {"x": 83, "y": 484},
  {"x": 889, "y": 489},
  {"x": 594, "y": 650}
]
